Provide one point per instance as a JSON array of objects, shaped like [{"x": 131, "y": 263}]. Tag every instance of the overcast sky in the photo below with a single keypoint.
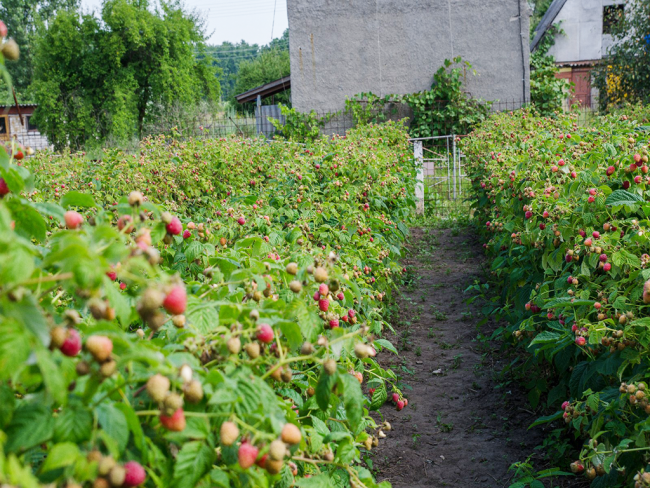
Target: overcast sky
[{"x": 234, "y": 20}]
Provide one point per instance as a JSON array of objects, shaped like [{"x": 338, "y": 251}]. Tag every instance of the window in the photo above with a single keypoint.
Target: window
[
  {"x": 612, "y": 14},
  {"x": 30, "y": 124},
  {"x": 3, "y": 125}
]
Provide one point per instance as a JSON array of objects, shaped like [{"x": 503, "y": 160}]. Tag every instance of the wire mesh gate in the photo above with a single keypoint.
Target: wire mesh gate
[{"x": 442, "y": 185}]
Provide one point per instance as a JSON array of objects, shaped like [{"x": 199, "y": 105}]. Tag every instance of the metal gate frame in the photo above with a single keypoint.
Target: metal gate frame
[{"x": 452, "y": 162}]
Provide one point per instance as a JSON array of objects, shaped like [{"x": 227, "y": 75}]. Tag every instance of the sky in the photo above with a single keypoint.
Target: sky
[{"x": 234, "y": 20}]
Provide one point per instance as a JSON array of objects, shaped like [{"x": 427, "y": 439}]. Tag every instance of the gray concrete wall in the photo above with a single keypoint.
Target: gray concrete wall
[{"x": 340, "y": 48}]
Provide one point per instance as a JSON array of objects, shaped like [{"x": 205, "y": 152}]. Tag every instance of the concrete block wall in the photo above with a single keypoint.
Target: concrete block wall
[{"x": 340, "y": 48}]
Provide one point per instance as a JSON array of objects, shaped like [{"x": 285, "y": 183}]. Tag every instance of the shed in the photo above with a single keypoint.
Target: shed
[{"x": 23, "y": 131}]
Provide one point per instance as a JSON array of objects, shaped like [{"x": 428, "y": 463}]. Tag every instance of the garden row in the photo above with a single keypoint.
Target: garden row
[
  {"x": 564, "y": 210},
  {"x": 203, "y": 313}
]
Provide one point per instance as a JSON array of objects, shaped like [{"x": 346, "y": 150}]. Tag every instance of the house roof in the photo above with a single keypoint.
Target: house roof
[
  {"x": 264, "y": 91},
  {"x": 546, "y": 22}
]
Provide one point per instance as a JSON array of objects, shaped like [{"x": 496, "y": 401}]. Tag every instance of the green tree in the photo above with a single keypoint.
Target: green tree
[
  {"x": 99, "y": 77},
  {"x": 25, "y": 20},
  {"x": 624, "y": 74},
  {"x": 547, "y": 91},
  {"x": 270, "y": 65},
  {"x": 229, "y": 56}
]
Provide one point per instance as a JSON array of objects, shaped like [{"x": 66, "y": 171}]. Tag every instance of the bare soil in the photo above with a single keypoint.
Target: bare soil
[{"x": 464, "y": 424}]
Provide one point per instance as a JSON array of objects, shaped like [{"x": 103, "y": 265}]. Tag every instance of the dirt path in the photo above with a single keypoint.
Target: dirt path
[{"x": 461, "y": 426}]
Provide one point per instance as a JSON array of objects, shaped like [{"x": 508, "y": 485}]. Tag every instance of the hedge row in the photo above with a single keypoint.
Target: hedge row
[
  {"x": 564, "y": 211},
  {"x": 205, "y": 313}
]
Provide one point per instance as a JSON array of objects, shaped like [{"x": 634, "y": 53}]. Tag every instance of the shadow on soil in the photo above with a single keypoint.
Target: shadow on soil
[{"x": 464, "y": 424}]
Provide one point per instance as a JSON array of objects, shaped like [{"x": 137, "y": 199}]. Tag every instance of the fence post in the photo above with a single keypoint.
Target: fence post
[
  {"x": 419, "y": 182},
  {"x": 453, "y": 139}
]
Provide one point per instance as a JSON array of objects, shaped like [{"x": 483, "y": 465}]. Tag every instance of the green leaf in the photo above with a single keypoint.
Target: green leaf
[
  {"x": 32, "y": 425},
  {"x": 59, "y": 456},
  {"x": 623, "y": 257},
  {"x": 114, "y": 424},
  {"x": 74, "y": 423},
  {"x": 291, "y": 331},
  {"x": 77, "y": 199},
  {"x": 29, "y": 223},
  {"x": 546, "y": 336},
  {"x": 193, "y": 461},
  {"x": 50, "y": 210},
  {"x": 13, "y": 179},
  {"x": 352, "y": 399},
  {"x": 52, "y": 377},
  {"x": 320, "y": 481},
  {"x": 386, "y": 345},
  {"x": 118, "y": 301},
  {"x": 379, "y": 397},
  {"x": 623, "y": 197},
  {"x": 324, "y": 389}
]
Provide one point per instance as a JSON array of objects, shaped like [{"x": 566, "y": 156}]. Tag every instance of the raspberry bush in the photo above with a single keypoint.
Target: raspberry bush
[
  {"x": 564, "y": 211},
  {"x": 204, "y": 313}
]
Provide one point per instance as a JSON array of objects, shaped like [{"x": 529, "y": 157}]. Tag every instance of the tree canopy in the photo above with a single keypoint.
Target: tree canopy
[
  {"x": 95, "y": 77},
  {"x": 624, "y": 74}
]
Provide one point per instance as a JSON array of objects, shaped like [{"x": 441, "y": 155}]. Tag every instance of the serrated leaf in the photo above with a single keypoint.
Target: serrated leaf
[
  {"x": 324, "y": 389},
  {"x": 31, "y": 425},
  {"x": 114, "y": 424},
  {"x": 52, "y": 377},
  {"x": 74, "y": 423},
  {"x": 379, "y": 397},
  {"x": 193, "y": 461},
  {"x": 623, "y": 197}
]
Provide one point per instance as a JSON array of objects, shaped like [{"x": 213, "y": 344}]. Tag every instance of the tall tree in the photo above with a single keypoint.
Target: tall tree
[
  {"x": 270, "y": 65},
  {"x": 624, "y": 74},
  {"x": 25, "y": 19},
  {"x": 99, "y": 77}
]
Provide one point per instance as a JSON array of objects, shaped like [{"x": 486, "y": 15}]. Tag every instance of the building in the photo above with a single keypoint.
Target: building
[
  {"x": 16, "y": 123},
  {"x": 340, "y": 48},
  {"x": 584, "y": 42}
]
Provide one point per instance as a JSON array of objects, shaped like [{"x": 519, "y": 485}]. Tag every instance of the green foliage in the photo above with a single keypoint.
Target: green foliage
[
  {"x": 248, "y": 209},
  {"x": 300, "y": 126},
  {"x": 538, "y": 9},
  {"x": 97, "y": 78},
  {"x": 26, "y": 21},
  {"x": 546, "y": 91},
  {"x": 228, "y": 56},
  {"x": 624, "y": 75},
  {"x": 563, "y": 211},
  {"x": 270, "y": 65},
  {"x": 444, "y": 109}
]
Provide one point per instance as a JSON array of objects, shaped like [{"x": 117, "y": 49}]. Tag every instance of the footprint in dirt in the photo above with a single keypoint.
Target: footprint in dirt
[{"x": 460, "y": 428}]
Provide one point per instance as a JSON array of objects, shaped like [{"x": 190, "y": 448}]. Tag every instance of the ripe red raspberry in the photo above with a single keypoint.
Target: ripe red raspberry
[
  {"x": 340, "y": 296},
  {"x": 135, "y": 474},
  {"x": 396, "y": 397},
  {"x": 187, "y": 234},
  {"x": 176, "y": 300},
  {"x": 72, "y": 344},
  {"x": 247, "y": 455},
  {"x": 351, "y": 313},
  {"x": 607, "y": 267},
  {"x": 400, "y": 405},
  {"x": 265, "y": 333},
  {"x": 316, "y": 296},
  {"x": 324, "y": 290},
  {"x": 175, "y": 423},
  {"x": 112, "y": 275},
  {"x": 174, "y": 227},
  {"x": 4, "y": 189},
  {"x": 73, "y": 219},
  {"x": 344, "y": 318},
  {"x": 241, "y": 220},
  {"x": 323, "y": 304},
  {"x": 334, "y": 323},
  {"x": 595, "y": 234},
  {"x": 581, "y": 341}
]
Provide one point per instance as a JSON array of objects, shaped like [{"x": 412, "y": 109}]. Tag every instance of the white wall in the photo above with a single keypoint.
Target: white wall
[
  {"x": 32, "y": 138},
  {"x": 582, "y": 23}
]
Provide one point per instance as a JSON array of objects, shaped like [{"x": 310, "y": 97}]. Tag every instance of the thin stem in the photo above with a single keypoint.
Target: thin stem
[{"x": 46, "y": 279}]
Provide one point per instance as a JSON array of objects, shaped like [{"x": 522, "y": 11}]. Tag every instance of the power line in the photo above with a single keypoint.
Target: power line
[{"x": 273, "y": 24}]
